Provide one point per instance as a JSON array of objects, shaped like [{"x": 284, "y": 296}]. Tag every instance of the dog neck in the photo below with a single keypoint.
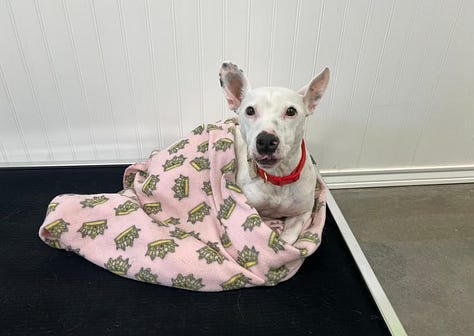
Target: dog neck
[{"x": 285, "y": 179}]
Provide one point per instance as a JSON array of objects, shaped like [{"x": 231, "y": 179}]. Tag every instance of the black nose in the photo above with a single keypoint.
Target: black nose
[{"x": 267, "y": 143}]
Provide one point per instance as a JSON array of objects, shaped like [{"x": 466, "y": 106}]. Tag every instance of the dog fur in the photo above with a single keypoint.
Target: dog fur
[{"x": 270, "y": 133}]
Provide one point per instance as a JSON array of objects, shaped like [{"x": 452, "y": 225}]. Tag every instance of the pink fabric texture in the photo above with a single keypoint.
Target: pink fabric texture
[{"x": 181, "y": 221}]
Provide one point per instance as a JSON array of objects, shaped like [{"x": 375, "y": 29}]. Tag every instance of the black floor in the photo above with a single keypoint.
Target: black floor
[{"x": 44, "y": 291}]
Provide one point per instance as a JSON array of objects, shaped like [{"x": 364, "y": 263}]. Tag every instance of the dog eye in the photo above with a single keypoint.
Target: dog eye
[
  {"x": 291, "y": 111},
  {"x": 250, "y": 111}
]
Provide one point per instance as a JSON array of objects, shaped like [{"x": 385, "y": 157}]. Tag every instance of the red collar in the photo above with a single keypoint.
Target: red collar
[{"x": 284, "y": 180}]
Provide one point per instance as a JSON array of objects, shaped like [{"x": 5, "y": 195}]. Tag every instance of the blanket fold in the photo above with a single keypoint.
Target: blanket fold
[{"x": 182, "y": 221}]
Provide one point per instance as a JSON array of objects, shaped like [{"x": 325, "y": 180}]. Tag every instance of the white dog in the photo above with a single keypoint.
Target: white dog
[{"x": 274, "y": 169}]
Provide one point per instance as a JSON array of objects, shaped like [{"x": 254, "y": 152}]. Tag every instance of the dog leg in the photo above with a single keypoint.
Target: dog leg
[{"x": 293, "y": 227}]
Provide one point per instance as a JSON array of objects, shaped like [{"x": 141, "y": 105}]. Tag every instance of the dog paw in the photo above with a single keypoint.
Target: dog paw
[
  {"x": 293, "y": 227},
  {"x": 289, "y": 236}
]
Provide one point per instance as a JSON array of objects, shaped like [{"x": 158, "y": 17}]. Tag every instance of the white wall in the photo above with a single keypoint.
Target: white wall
[{"x": 111, "y": 80}]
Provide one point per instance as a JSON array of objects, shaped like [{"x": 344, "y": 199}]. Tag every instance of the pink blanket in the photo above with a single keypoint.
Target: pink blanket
[{"x": 182, "y": 221}]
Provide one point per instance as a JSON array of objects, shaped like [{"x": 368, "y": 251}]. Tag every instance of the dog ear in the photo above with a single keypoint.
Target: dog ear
[
  {"x": 233, "y": 83},
  {"x": 313, "y": 92}
]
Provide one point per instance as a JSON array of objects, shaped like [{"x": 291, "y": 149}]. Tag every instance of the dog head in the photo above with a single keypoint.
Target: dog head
[{"x": 271, "y": 119}]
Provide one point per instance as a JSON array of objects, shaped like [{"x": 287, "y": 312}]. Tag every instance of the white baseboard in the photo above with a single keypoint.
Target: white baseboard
[{"x": 365, "y": 178}]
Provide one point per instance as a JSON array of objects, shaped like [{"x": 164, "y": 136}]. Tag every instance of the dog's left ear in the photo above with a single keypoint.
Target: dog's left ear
[
  {"x": 234, "y": 83},
  {"x": 313, "y": 92}
]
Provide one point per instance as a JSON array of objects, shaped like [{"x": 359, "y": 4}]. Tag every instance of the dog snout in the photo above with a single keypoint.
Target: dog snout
[{"x": 267, "y": 143}]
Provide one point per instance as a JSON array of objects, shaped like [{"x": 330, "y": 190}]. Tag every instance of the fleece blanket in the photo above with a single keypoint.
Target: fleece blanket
[{"x": 182, "y": 221}]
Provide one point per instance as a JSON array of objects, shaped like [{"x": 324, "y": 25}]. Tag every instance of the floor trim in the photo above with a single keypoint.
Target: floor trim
[
  {"x": 365, "y": 178},
  {"x": 388, "y": 313}
]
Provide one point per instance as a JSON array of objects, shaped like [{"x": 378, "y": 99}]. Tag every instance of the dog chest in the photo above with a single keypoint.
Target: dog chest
[{"x": 276, "y": 202}]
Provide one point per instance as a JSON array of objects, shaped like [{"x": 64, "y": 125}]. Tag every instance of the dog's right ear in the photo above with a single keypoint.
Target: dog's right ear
[{"x": 234, "y": 83}]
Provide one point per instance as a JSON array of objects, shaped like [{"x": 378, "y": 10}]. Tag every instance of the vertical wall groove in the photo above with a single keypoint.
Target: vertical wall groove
[
  {"x": 3, "y": 152},
  {"x": 154, "y": 79},
  {"x": 376, "y": 82},
  {"x": 272, "y": 43},
  {"x": 83, "y": 93},
  {"x": 355, "y": 80},
  {"x": 295, "y": 43},
  {"x": 224, "y": 47},
  {"x": 335, "y": 75},
  {"x": 442, "y": 67},
  {"x": 131, "y": 90},
  {"x": 30, "y": 83},
  {"x": 318, "y": 39},
  {"x": 105, "y": 78},
  {"x": 200, "y": 61},
  {"x": 54, "y": 75},
  {"x": 13, "y": 111},
  {"x": 247, "y": 35},
  {"x": 176, "y": 65},
  {"x": 419, "y": 81},
  {"x": 404, "y": 53},
  {"x": 224, "y": 29}
]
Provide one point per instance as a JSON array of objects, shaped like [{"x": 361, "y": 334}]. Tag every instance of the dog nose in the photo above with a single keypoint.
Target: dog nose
[{"x": 267, "y": 143}]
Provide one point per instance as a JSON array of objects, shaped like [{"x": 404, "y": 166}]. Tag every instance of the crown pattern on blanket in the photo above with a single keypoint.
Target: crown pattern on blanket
[{"x": 182, "y": 221}]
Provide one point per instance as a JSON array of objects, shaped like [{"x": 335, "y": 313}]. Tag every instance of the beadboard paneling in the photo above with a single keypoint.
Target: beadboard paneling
[{"x": 111, "y": 80}]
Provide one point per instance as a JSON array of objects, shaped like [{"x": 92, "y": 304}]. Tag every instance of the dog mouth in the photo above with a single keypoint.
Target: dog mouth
[{"x": 267, "y": 161}]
